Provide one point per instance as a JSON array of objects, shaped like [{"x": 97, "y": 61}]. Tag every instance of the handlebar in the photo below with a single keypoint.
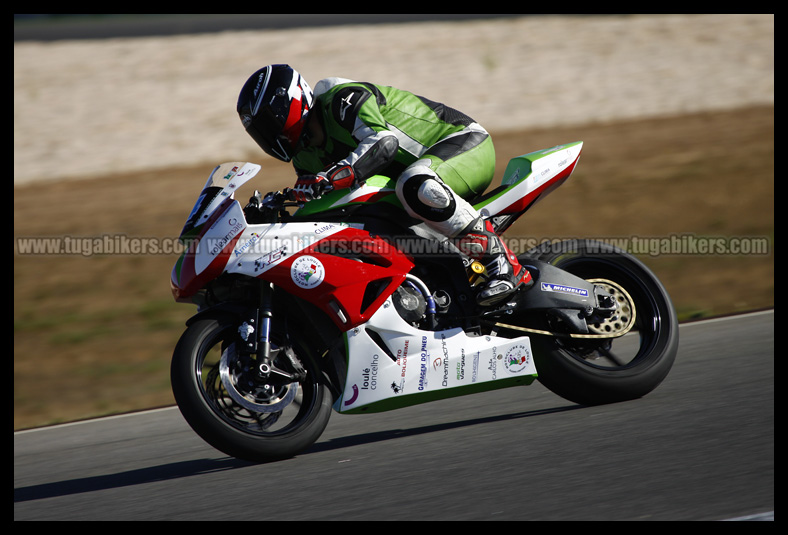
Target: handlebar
[{"x": 270, "y": 207}]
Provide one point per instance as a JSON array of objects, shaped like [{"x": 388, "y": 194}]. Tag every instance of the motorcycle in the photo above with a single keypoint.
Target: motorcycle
[{"x": 346, "y": 304}]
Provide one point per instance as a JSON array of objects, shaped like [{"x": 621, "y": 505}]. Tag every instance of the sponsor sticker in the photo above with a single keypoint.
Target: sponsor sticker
[
  {"x": 560, "y": 288},
  {"x": 517, "y": 359},
  {"x": 307, "y": 272},
  {"x": 353, "y": 396}
]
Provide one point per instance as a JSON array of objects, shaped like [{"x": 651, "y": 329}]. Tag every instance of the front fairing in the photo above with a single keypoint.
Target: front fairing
[
  {"x": 341, "y": 268},
  {"x": 215, "y": 199},
  {"x": 221, "y": 185}
]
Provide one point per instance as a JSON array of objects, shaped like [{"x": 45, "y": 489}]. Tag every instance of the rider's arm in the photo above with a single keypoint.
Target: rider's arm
[
  {"x": 374, "y": 153},
  {"x": 355, "y": 110}
]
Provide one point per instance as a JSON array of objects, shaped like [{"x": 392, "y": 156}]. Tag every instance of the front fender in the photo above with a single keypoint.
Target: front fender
[{"x": 223, "y": 312}]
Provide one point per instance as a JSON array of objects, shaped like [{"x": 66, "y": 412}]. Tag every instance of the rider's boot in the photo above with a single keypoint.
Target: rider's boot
[{"x": 480, "y": 242}]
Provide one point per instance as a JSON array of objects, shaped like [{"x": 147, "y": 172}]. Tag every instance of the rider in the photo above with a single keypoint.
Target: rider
[{"x": 347, "y": 131}]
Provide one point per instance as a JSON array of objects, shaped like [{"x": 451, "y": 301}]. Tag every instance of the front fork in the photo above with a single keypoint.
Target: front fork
[
  {"x": 264, "y": 316},
  {"x": 257, "y": 342}
]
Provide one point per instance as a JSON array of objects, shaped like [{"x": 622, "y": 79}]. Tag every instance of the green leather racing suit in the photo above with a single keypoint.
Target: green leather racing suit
[{"x": 440, "y": 157}]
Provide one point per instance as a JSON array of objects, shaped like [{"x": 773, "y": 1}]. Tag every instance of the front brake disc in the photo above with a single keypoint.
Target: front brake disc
[{"x": 258, "y": 397}]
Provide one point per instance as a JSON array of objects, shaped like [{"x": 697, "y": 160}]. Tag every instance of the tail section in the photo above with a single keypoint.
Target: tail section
[{"x": 526, "y": 180}]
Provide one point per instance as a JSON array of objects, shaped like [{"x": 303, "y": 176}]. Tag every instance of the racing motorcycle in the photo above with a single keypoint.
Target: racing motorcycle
[{"x": 346, "y": 304}]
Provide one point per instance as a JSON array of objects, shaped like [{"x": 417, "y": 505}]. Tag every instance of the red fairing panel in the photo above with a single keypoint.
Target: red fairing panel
[
  {"x": 349, "y": 275},
  {"x": 190, "y": 283}
]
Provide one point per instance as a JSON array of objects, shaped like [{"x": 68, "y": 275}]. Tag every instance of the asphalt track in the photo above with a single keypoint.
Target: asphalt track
[{"x": 699, "y": 448}]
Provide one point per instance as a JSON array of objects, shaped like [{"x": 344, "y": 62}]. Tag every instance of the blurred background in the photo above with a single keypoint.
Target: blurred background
[{"x": 118, "y": 120}]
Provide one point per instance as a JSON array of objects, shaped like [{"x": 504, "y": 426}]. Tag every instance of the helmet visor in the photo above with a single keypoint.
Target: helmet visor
[{"x": 262, "y": 129}]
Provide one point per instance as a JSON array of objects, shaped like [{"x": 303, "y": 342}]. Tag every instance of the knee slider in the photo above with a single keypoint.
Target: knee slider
[
  {"x": 433, "y": 194},
  {"x": 424, "y": 194}
]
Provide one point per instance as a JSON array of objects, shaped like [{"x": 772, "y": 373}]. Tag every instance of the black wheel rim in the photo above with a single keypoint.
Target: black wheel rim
[
  {"x": 216, "y": 397},
  {"x": 633, "y": 349}
]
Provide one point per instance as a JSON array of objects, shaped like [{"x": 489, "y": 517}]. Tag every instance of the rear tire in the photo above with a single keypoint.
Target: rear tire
[{"x": 592, "y": 372}]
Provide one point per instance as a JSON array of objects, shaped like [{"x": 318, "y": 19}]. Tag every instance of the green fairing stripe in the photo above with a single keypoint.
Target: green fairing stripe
[
  {"x": 407, "y": 400},
  {"x": 331, "y": 200},
  {"x": 178, "y": 265}
]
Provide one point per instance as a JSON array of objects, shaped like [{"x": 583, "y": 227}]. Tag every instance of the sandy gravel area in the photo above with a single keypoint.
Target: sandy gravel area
[{"x": 92, "y": 108}]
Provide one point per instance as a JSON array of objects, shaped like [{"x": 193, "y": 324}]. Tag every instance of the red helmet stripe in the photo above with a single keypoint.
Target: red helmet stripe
[{"x": 293, "y": 124}]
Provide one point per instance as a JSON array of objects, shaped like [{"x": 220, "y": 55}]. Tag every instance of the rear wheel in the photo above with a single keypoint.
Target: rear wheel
[
  {"x": 606, "y": 367},
  {"x": 234, "y": 410}
]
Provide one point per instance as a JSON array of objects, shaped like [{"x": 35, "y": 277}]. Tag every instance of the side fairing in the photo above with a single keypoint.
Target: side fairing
[
  {"x": 392, "y": 364},
  {"x": 343, "y": 270}
]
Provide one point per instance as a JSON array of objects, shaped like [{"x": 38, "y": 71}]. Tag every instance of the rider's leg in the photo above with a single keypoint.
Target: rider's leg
[
  {"x": 432, "y": 189},
  {"x": 480, "y": 242}
]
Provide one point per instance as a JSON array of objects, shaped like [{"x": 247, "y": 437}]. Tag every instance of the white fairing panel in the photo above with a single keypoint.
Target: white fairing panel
[{"x": 424, "y": 362}]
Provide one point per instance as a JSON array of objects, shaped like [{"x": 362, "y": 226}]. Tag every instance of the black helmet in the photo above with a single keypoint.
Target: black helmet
[{"x": 273, "y": 106}]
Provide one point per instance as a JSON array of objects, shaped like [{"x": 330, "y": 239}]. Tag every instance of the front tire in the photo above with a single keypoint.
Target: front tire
[
  {"x": 592, "y": 371},
  {"x": 295, "y": 421}
]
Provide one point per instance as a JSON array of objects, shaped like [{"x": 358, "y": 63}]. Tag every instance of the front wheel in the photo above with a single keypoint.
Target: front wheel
[
  {"x": 233, "y": 410},
  {"x": 597, "y": 370}
]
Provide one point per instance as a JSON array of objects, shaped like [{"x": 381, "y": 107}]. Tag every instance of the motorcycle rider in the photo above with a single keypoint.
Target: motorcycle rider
[{"x": 346, "y": 131}]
